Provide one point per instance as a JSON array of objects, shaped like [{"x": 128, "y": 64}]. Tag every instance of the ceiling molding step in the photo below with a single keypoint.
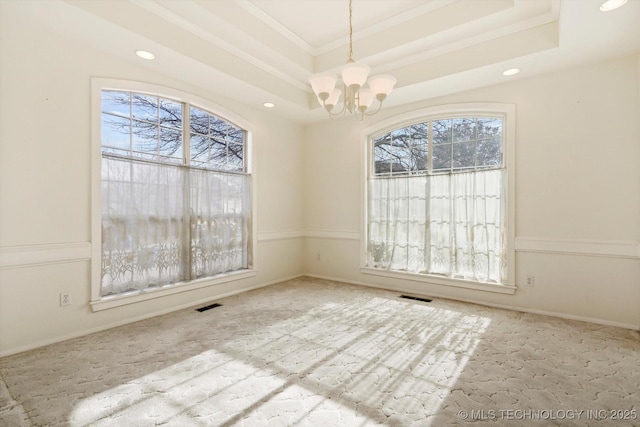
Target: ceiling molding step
[
  {"x": 389, "y": 63},
  {"x": 390, "y": 23},
  {"x": 515, "y": 45},
  {"x": 232, "y": 48},
  {"x": 186, "y": 47},
  {"x": 256, "y": 35},
  {"x": 277, "y": 26},
  {"x": 429, "y": 26}
]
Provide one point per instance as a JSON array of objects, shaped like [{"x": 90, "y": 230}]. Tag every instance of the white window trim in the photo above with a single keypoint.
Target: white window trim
[
  {"x": 509, "y": 131},
  {"x": 97, "y": 86},
  {"x": 104, "y": 303}
]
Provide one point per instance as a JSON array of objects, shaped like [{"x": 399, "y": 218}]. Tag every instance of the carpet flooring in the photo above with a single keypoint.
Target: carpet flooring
[{"x": 310, "y": 352}]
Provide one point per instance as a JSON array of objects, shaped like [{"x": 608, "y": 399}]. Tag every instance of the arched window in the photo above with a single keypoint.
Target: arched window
[
  {"x": 437, "y": 199},
  {"x": 175, "y": 204}
]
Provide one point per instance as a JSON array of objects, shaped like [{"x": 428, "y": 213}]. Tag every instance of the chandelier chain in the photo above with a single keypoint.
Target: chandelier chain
[{"x": 350, "y": 32}]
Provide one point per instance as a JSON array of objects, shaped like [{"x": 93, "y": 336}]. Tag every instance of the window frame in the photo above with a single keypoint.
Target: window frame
[
  {"x": 485, "y": 109},
  {"x": 97, "y": 86}
]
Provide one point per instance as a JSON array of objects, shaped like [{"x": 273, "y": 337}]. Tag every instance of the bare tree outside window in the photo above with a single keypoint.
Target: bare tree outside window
[
  {"x": 402, "y": 151},
  {"x": 458, "y": 144},
  {"x": 150, "y": 127}
]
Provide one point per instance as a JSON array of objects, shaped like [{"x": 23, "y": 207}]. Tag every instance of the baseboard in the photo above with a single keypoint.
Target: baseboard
[
  {"x": 317, "y": 276},
  {"x": 597, "y": 321},
  {"x": 78, "y": 334}
]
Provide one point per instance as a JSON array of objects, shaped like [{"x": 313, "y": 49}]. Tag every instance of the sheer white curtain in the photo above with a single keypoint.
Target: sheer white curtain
[
  {"x": 398, "y": 223},
  {"x": 219, "y": 222},
  {"x": 449, "y": 224},
  {"x": 163, "y": 224},
  {"x": 142, "y": 225}
]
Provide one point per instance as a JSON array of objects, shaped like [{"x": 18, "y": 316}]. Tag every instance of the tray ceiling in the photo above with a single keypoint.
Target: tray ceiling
[{"x": 265, "y": 50}]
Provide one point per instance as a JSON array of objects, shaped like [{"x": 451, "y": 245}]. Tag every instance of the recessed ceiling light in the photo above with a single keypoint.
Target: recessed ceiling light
[
  {"x": 144, "y": 54},
  {"x": 511, "y": 71},
  {"x": 610, "y": 5},
  {"x": 269, "y": 104}
]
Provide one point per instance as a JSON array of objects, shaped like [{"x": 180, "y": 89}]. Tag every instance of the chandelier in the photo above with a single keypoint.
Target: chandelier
[{"x": 357, "y": 96}]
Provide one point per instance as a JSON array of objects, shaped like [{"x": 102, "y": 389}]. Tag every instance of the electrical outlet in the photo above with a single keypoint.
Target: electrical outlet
[
  {"x": 530, "y": 280},
  {"x": 65, "y": 299}
]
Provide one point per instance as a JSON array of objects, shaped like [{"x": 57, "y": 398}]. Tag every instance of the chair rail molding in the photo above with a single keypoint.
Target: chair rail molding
[
  {"x": 32, "y": 255},
  {"x": 268, "y": 236},
  {"x": 628, "y": 249},
  {"x": 318, "y": 233},
  {"x": 55, "y": 253}
]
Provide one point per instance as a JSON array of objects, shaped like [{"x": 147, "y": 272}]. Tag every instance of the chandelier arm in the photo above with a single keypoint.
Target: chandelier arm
[
  {"x": 344, "y": 105},
  {"x": 333, "y": 116},
  {"x": 375, "y": 112},
  {"x": 344, "y": 109}
]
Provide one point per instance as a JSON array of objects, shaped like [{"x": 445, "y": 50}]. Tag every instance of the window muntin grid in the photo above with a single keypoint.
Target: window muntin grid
[
  {"x": 215, "y": 143},
  {"x": 152, "y": 128},
  {"x": 446, "y": 145}
]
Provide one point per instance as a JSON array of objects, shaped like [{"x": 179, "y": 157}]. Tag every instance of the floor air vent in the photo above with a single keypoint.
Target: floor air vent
[
  {"x": 415, "y": 298},
  {"x": 208, "y": 307}
]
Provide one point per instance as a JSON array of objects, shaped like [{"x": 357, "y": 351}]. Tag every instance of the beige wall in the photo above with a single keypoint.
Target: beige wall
[
  {"x": 577, "y": 190},
  {"x": 45, "y": 180}
]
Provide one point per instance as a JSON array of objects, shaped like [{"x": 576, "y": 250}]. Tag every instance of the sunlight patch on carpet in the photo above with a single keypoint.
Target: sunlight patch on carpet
[{"x": 349, "y": 363}]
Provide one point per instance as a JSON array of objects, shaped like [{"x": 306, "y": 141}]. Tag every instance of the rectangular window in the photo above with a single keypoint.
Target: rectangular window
[
  {"x": 175, "y": 193},
  {"x": 436, "y": 200}
]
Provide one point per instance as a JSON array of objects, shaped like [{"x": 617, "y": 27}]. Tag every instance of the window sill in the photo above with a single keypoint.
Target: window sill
[
  {"x": 444, "y": 281},
  {"x": 134, "y": 297}
]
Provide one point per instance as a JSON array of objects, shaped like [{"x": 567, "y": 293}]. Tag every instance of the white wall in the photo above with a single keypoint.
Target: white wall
[
  {"x": 577, "y": 192},
  {"x": 45, "y": 185}
]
